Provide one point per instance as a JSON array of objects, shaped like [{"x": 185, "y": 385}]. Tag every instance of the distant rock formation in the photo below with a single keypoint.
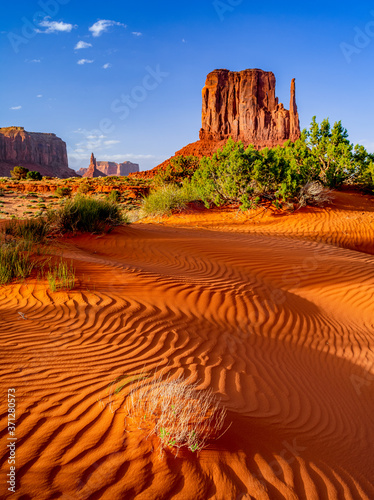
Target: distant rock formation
[
  {"x": 92, "y": 170},
  {"x": 242, "y": 105},
  {"x": 44, "y": 153},
  {"x": 110, "y": 168}
]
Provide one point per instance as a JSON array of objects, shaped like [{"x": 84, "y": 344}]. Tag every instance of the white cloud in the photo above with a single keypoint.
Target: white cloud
[
  {"x": 35, "y": 61},
  {"x": 111, "y": 143},
  {"x": 82, "y": 45},
  {"x": 102, "y": 26},
  {"x": 85, "y": 61},
  {"x": 39, "y": 95},
  {"x": 15, "y": 107},
  {"x": 107, "y": 65},
  {"x": 137, "y": 33},
  {"x": 183, "y": 40},
  {"x": 55, "y": 26}
]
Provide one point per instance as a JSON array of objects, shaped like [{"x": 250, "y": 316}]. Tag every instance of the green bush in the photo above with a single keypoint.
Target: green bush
[
  {"x": 19, "y": 173},
  {"x": 180, "y": 168},
  {"x": 86, "y": 214},
  {"x": 34, "y": 175},
  {"x": 63, "y": 192},
  {"x": 164, "y": 200}
]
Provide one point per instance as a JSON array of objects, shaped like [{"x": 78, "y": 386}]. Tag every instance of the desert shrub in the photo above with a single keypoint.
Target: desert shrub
[
  {"x": 63, "y": 192},
  {"x": 175, "y": 411},
  {"x": 34, "y": 175},
  {"x": 61, "y": 276},
  {"x": 31, "y": 231},
  {"x": 314, "y": 193},
  {"x": 180, "y": 168},
  {"x": 86, "y": 214},
  {"x": 19, "y": 173},
  {"x": 14, "y": 263},
  {"x": 164, "y": 200},
  {"x": 85, "y": 188},
  {"x": 114, "y": 195}
]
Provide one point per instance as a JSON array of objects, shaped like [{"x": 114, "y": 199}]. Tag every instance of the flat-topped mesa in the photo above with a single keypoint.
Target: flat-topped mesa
[
  {"x": 45, "y": 153},
  {"x": 243, "y": 105}
]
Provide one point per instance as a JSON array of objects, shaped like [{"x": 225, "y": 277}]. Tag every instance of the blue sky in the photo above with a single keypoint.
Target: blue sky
[{"x": 123, "y": 79}]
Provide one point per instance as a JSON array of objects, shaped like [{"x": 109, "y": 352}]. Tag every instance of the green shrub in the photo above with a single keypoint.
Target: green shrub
[
  {"x": 86, "y": 214},
  {"x": 34, "y": 175},
  {"x": 164, "y": 200},
  {"x": 180, "y": 168},
  {"x": 63, "y": 192},
  {"x": 14, "y": 263},
  {"x": 19, "y": 173}
]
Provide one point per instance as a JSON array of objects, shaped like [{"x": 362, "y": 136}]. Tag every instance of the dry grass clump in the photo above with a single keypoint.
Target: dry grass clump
[
  {"x": 314, "y": 193},
  {"x": 175, "y": 411}
]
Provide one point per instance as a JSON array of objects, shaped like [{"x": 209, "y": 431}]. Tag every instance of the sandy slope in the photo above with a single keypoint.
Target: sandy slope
[{"x": 276, "y": 314}]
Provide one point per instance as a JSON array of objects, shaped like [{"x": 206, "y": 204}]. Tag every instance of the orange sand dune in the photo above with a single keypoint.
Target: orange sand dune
[{"x": 274, "y": 313}]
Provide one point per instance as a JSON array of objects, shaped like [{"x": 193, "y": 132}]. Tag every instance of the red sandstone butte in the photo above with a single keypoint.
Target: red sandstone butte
[
  {"x": 242, "y": 105},
  {"x": 45, "y": 153}
]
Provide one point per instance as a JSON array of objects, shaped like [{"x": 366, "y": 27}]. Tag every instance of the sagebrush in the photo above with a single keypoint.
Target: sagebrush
[{"x": 175, "y": 411}]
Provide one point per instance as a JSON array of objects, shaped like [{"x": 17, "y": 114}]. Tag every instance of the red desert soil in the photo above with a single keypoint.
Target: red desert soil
[{"x": 274, "y": 313}]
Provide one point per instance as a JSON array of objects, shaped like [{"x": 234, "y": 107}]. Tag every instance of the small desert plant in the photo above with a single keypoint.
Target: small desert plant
[
  {"x": 14, "y": 263},
  {"x": 62, "y": 192},
  {"x": 314, "y": 193},
  {"x": 114, "y": 195},
  {"x": 31, "y": 231},
  {"x": 86, "y": 214},
  {"x": 175, "y": 411},
  {"x": 61, "y": 276},
  {"x": 34, "y": 175},
  {"x": 19, "y": 173},
  {"x": 164, "y": 200}
]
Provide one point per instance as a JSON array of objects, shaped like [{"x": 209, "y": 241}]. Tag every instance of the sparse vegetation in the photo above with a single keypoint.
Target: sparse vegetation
[
  {"x": 169, "y": 197},
  {"x": 63, "y": 192},
  {"x": 61, "y": 276},
  {"x": 86, "y": 214},
  {"x": 30, "y": 231},
  {"x": 14, "y": 263},
  {"x": 175, "y": 411}
]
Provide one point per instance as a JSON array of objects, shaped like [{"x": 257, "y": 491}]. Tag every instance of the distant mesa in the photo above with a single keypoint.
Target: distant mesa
[
  {"x": 45, "y": 153},
  {"x": 243, "y": 105},
  {"x": 104, "y": 168}
]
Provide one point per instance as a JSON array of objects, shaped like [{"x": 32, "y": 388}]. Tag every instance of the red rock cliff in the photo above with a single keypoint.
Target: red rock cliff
[
  {"x": 243, "y": 105},
  {"x": 44, "y": 153}
]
